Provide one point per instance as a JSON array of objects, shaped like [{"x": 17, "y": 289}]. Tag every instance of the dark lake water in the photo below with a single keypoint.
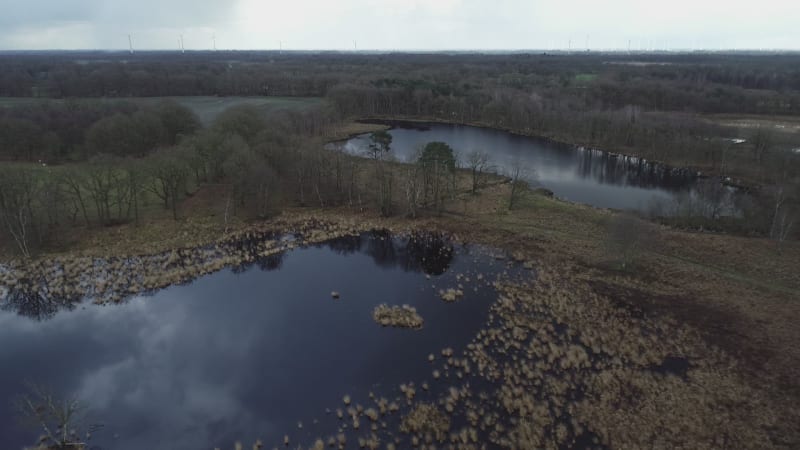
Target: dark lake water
[
  {"x": 249, "y": 352},
  {"x": 579, "y": 175}
]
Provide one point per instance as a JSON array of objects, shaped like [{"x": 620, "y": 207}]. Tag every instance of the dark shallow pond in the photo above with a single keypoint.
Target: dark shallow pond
[
  {"x": 249, "y": 352},
  {"x": 580, "y": 175}
]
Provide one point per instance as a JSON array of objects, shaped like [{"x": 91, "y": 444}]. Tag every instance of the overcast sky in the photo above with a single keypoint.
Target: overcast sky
[{"x": 400, "y": 24}]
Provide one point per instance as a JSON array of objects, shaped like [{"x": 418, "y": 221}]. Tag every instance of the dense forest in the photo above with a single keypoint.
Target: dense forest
[
  {"x": 129, "y": 162},
  {"x": 105, "y": 156}
]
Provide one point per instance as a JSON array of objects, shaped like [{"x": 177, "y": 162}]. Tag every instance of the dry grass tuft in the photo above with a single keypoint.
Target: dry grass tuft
[{"x": 397, "y": 316}]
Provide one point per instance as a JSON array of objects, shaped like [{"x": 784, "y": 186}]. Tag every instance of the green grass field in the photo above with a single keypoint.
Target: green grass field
[
  {"x": 206, "y": 108},
  {"x": 585, "y": 78}
]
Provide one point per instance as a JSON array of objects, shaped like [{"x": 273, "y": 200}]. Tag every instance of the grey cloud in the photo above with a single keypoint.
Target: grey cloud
[
  {"x": 113, "y": 14},
  {"x": 174, "y": 14},
  {"x": 32, "y": 13},
  {"x": 396, "y": 24}
]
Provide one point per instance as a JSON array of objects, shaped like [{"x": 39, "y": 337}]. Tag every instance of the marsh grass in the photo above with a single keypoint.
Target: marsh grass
[{"x": 404, "y": 316}]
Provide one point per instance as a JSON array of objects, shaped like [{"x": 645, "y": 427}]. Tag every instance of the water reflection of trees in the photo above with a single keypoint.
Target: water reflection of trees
[
  {"x": 345, "y": 245},
  {"x": 270, "y": 262},
  {"x": 62, "y": 420},
  {"x": 433, "y": 253},
  {"x": 266, "y": 263},
  {"x": 35, "y": 305},
  {"x": 40, "y": 299},
  {"x": 251, "y": 249},
  {"x": 430, "y": 253},
  {"x": 623, "y": 170},
  {"x": 382, "y": 248}
]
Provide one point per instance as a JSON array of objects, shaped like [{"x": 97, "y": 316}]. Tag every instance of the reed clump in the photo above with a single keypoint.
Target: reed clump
[
  {"x": 450, "y": 295},
  {"x": 426, "y": 419},
  {"x": 404, "y": 316}
]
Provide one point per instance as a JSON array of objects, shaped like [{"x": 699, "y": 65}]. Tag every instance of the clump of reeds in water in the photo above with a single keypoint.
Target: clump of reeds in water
[
  {"x": 404, "y": 316},
  {"x": 451, "y": 295},
  {"x": 426, "y": 419}
]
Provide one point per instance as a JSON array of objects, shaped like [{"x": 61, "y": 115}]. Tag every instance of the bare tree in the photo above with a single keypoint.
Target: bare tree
[
  {"x": 135, "y": 179},
  {"x": 226, "y": 214},
  {"x": 169, "y": 178},
  {"x": 18, "y": 188},
  {"x": 479, "y": 166},
  {"x": 103, "y": 182},
  {"x": 52, "y": 204},
  {"x": 413, "y": 189},
  {"x": 762, "y": 142},
  {"x": 112, "y": 185},
  {"x": 351, "y": 167},
  {"x": 266, "y": 183},
  {"x": 62, "y": 421},
  {"x": 73, "y": 180},
  {"x": 301, "y": 172},
  {"x": 237, "y": 170},
  {"x": 378, "y": 150},
  {"x": 783, "y": 216},
  {"x": 386, "y": 181},
  {"x": 518, "y": 173},
  {"x": 252, "y": 178},
  {"x": 320, "y": 168}
]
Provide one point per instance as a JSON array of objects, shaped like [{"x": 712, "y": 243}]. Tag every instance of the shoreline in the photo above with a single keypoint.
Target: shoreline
[{"x": 696, "y": 172}]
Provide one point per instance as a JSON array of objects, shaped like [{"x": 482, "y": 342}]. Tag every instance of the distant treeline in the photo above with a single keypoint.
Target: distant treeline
[
  {"x": 259, "y": 160},
  {"x": 643, "y": 104},
  {"x": 75, "y": 130},
  {"x": 711, "y": 83}
]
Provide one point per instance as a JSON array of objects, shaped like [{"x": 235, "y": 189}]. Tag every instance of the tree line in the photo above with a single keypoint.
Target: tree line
[
  {"x": 52, "y": 131},
  {"x": 707, "y": 83},
  {"x": 645, "y": 104},
  {"x": 263, "y": 163}
]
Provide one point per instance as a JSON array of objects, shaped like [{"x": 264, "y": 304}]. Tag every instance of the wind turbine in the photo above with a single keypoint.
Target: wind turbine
[
  {"x": 130, "y": 43},
  {"x": 214, "y": 41},
  {"x": 180, "y": 44}
]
